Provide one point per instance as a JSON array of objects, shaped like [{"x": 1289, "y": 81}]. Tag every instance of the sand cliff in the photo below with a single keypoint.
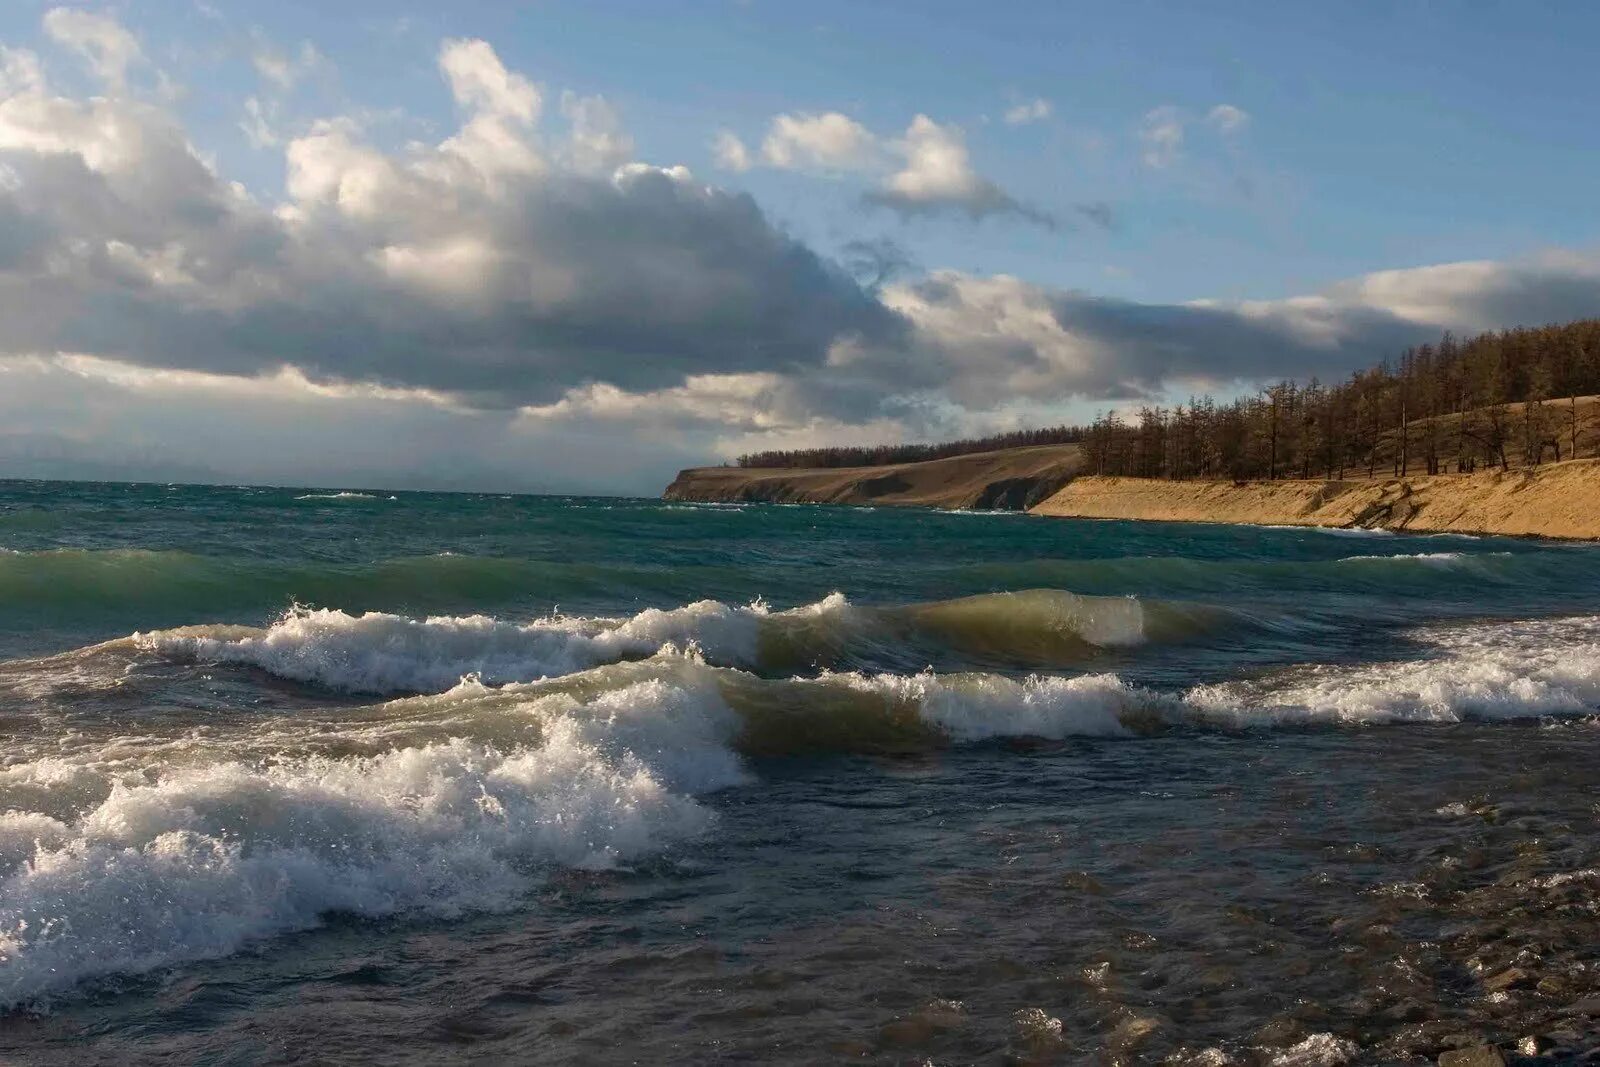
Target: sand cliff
[
  {"x": 1554, "y": 500},
  {"x": 1013, "y": 479}
]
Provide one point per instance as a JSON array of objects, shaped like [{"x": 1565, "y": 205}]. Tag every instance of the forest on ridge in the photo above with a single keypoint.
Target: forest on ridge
[{"x": 1503, "y": 398}]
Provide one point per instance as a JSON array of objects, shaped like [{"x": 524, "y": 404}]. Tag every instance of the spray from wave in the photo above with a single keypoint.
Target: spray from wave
[{"x": 383, "y": 653}]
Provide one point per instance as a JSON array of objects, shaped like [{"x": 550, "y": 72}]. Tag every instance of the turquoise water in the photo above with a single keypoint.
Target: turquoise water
[{"x": 290, "y": 773}]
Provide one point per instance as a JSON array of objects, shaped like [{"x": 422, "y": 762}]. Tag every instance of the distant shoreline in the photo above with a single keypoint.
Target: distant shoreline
[{"x": 1554, "y": 500}]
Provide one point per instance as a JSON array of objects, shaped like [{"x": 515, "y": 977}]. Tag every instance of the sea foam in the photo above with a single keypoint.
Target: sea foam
[
  {"x": 382, "y": 653},
  {"x": 196, "y": 861}
]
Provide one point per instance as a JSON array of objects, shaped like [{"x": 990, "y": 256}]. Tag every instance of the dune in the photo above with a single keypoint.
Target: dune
[
  {"x": 1011, "y": 479},
  {"x": 1554, "y": 500}
]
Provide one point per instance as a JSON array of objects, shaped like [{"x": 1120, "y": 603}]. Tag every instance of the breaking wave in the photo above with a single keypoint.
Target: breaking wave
[
  {"x": 126, "y": 854},
  {"x": 383, "y": 653},
  {"x": 338, "y": 496}
]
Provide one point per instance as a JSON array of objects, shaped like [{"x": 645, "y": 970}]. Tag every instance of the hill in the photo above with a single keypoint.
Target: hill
[
  {"x": 1011, "y": 479},
  {"x": 1552, "y": 500}
]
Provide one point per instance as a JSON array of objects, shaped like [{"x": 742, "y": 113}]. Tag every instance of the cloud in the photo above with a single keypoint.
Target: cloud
[
  {"x": 598, "y": 144},
  {"x": 101, "y": 40},
  {"x": 1162, "y": 131},
  {"x": 730, "y": 152},
  {"x": 284, "y": 70},
  {"x": 876, "y": 261},
  {"x": 483, "y": 266},
  {"x": 82, "y": 417},
  {"x": 927, "y": 170},
  {"x": 258, "y": 123},
  {"x": 829, "y": 141},
  {"x": 938, "y": 175},
  {"x": 519, "y": 303},
  {"x": 1228, "y": 119},
  {"x": 20, "y": 72},
  {"x": 1161, "y": 134},
  {"x": 1028, "y": 111}
]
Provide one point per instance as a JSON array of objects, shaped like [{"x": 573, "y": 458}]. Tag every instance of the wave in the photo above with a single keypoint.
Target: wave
[
  {"x": 1518, "y": 670},
  {"x": 1432, "y": 559},
  {"x": 196, "y": 861},
  {"x": 383, "y": 653},
  {"x": 108, "y": 590},
  {"x": 124, "y": 855},
  {"x": 1373, "y": 571},
  {"x": 345, "y": 495}
]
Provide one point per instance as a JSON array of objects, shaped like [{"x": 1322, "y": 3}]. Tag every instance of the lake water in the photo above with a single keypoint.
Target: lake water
[{"x": 345, "y": 777}]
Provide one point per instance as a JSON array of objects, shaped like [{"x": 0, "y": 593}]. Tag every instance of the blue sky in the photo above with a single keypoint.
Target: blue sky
[
  {"x": 1121, "y": 162},
  {"x": 1380, "y": 134}
]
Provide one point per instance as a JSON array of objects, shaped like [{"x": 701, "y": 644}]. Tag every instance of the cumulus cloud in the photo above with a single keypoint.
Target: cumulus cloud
[
  {"x": 479, "y": 266},
  {"x": 598, "y": 144},
  {"x": 926, "y": 170},
  {"x": 937, "y": 175},
  {"x": 1028, "y": 111},
  {"x": 730, "y": 153},
  {"x": 508, "y": 301},
  {"x": 829, "y": 141},
  {"x": 20, "y": 72}
]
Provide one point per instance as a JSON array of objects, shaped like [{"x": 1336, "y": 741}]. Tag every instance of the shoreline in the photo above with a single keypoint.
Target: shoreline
[{"x": 1557, "y": 501}]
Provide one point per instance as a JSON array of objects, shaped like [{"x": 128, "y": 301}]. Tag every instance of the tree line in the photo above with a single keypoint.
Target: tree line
[
  {"x": 1501, "y": 398},
  {"x": 878, "y": 455}
]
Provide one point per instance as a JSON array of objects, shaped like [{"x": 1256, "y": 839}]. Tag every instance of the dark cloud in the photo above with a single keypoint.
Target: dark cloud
[{"x": 480, "y": 270}]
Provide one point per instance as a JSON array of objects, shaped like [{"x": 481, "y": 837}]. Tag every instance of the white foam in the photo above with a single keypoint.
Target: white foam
[
  {"x": 338, "y": 496},
  {"x": 1434, "y": 559},
  {"x": 1340, "y": 531},
  {"x": 980, "y": 707},
  {"x": 195, "y": 861},
  {"x": 1500, "y": 671},
  {"x": 1318, "y": 1050},
  {"x": 383, "y": 653}
]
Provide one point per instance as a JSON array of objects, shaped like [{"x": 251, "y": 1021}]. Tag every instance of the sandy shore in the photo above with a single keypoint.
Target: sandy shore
[
  {"x": 1555, "y": 500},
  {"x": 1013, "y": 478}
]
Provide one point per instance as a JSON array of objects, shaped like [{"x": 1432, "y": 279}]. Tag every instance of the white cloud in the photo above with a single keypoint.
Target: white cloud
[
  {"x": 729, "y": 152},
  {"x": 927, "y": 169},
  {"x": 1035, "y": 110},
  {"x": 598, "y": 144},
  {"x": 101, "y": 40},
  {"x": 938, "y": 174},
  {"x": 1161, "y": 134},
  {"x": 495, "y": 306},
  {"x": 473, "y": 266},
  {"x": 829, "y": 141},
  {"x": 481, "y": 84},
  {"x": 20, "y": 72},
  {"x": 283, "y": 70},
  {"x": 1163, "y": 130},
  {"x": 1227, "y": 118},
  {"x": 502, "y": 108},
  {"x": 257, "y": 123}
]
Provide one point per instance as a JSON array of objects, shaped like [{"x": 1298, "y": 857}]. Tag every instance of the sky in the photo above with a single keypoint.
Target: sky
[{"x": 571, "y": 247}]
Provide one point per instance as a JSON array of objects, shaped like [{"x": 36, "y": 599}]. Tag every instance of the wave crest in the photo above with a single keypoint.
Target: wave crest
[{"x": 383, "y": 653}]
